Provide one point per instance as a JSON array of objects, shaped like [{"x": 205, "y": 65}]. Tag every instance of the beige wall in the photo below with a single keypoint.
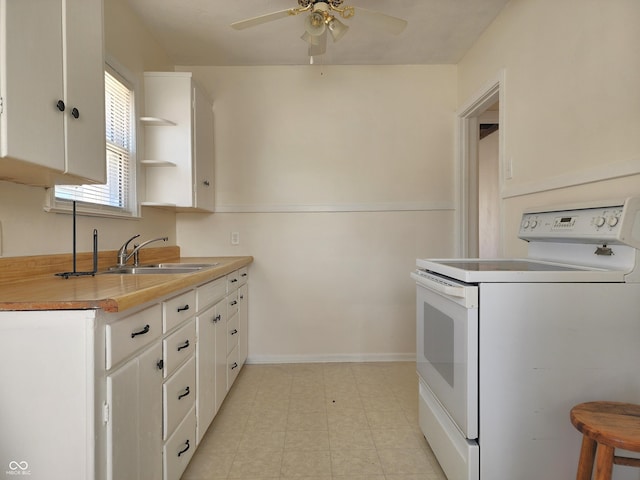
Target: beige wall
[
  {"x": 336, "y": 178},
  {"x": 26, "y": 228},
  {"x": 572, "y": 102}
]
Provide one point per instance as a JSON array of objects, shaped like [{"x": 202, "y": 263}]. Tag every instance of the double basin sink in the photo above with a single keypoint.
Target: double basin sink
[{"x": 159, "y": 268}]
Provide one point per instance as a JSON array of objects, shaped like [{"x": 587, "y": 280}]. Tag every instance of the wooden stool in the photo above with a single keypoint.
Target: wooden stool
[{"x": 606, "y": 426}]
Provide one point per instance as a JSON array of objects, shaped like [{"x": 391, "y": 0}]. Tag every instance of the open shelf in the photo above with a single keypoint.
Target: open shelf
[
  {"x": 156, "y": 122},
  {"x": 157, "y": 163}
]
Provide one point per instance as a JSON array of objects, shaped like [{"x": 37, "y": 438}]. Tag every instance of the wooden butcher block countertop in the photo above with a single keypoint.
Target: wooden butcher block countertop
[{"x": 30, "y": 283}]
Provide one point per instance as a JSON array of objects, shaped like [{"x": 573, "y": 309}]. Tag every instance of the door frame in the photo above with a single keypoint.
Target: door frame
[{"x": 467, "y": 139}]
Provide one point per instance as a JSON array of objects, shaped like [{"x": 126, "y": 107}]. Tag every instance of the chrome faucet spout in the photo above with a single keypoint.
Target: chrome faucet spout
[
  {"x": 123, "y": 256},
  {"x": 122, "y": 252}
]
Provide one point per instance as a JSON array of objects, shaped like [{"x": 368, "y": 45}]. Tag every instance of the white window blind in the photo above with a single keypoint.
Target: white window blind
[{"x": 119, "y": 105}]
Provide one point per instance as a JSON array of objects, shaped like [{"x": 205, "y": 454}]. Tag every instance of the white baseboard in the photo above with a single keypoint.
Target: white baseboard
[{"x": 331, "y": 358}]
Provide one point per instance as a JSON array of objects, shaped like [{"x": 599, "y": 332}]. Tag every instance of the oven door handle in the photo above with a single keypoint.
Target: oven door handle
[{"x": 439, "y": 287}]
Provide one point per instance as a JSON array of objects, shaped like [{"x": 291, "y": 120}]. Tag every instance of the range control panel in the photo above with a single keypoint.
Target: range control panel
[{"x": 613, "y": 222}]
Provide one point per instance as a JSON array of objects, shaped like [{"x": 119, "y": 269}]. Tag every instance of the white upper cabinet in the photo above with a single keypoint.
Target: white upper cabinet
[
  {"x": 178, "y": 142},
  {"x": 52, "y": 92}
]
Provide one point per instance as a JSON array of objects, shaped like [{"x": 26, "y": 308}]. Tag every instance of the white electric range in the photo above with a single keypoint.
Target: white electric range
[{"x": 505, "y": 347}]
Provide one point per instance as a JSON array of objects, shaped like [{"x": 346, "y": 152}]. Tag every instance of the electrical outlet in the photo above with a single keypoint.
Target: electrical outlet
[{"x": 235, "y": 238}]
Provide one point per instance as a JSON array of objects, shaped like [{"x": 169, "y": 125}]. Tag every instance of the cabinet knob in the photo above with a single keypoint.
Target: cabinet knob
[
  {"x": 75, "y": 113},
  {"x": 160, "y": 364},
  {"x": 60, "y": 105},
  {"x": 206, "y": 183}
]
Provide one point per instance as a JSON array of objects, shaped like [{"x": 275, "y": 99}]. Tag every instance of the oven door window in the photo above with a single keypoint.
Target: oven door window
[{"x": 447, "y": 355}]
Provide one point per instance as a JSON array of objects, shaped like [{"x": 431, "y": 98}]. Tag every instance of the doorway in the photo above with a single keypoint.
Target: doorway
[{"x": 480, "y": 174}]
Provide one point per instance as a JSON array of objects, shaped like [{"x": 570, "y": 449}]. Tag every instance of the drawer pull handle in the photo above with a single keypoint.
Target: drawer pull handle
[
  {"x": 185, "y": 448},
  {"x": 186, "y": 392},
  {"x": 217, "y": 318},
  {"x": 182, "y": 309},
  {"x": 235, "y": 365},
  {"x": 141, "y": 332},
  {"x": 160, "y": 364},
  {"x": 184, "y": 345},
  {"x": 241, "y": 297},
  {"x": 60, "y": 105},
  {"x": 234, "y": 280},
  {"x": 235, "y": 302},
  {"x": 243, "y": 275},
  {"x": 234, "y": 331}
]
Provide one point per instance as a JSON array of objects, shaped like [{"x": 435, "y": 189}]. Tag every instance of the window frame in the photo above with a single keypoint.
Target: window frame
[{"x": 58, "y": 205}]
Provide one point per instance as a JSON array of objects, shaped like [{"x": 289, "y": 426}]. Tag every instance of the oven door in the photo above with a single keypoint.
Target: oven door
[{"x": 447, "y": 346}]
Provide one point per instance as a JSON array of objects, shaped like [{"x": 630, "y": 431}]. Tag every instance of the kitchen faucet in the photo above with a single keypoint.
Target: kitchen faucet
[{"x": 123, "y": 256}]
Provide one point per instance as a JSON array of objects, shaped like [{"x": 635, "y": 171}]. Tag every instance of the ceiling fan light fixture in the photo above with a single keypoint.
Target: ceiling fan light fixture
[
  {"x": 314, "y": 24},
  {"x": 311, "y": 39},
  {"x": 337, "y": 29}
]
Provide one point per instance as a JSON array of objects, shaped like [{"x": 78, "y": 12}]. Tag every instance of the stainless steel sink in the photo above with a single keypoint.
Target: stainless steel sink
[{"x": 159, "y": 268}]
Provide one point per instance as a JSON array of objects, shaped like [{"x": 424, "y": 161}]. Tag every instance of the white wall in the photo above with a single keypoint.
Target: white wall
[
  {"x": 26, "y": 228},
  {"x": 572, "y": 102},
  {"x": 336, "y": 178}
]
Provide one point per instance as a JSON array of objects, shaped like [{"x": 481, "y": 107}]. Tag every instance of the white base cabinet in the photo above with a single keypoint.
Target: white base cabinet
[{"x": 92, "y": 395}]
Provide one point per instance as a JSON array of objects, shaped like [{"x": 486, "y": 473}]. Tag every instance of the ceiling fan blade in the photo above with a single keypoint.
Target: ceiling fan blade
[
  {"x": 381, "y": 20},
  {"x": 252, "y": 22},
  {"x": 319, "y": 45}
]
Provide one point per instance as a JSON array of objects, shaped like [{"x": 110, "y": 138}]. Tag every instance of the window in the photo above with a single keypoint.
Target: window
[{"x": 116, "y": 197}]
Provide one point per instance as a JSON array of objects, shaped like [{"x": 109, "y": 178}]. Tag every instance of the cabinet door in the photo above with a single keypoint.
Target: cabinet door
[
  {"x": 203, "y": 151},
  {"x": 84, "y": 90},
  {"x": 205, "y": 369},
  {"x": 32, "y": 82},
  {"x": 134, "y": 430},
  {"x": 243, "y": 323},
  {"x": 221, "y": 353}
]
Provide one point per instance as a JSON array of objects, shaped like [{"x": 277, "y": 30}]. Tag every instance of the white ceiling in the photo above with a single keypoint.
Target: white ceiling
[{"x": 197, "y": 32}]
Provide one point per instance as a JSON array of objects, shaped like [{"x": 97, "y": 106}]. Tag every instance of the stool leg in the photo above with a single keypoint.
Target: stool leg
[
  {"x": 604, "y": 462},
  {"x": 587, "y": 454}
]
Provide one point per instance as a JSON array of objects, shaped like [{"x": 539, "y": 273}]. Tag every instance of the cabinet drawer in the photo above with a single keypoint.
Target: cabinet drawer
[
  {"x": 243, "y": 276},
  {"x": 178, "y": 309},
  {"x": 179, "y": 346},
  {"x": 232, "y": 304},
  {"x": 233, "y": 367},
  {"x": 210, "y": 293},
  {"x": 180, "y": 447},
  {"x": 233, "y": 281},
  {"x": 179, "y": 395},
  {"x": 232, "y": 333},
  {"x": 130, "y": 334}
]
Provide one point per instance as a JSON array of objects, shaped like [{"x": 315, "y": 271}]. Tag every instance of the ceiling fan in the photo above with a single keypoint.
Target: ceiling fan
[{"x": 322, "y": 18}]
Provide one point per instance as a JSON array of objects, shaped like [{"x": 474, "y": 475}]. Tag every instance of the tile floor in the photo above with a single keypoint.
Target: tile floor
[{"x": 355, "y": 421}]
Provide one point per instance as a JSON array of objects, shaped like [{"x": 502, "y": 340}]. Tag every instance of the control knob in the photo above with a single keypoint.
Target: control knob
[
  {"x": 534, "y": 223},
  {"x": 526, "y": 224},
  {"x": 599, "y": 221},
  {"x": 613, "y": 221}
]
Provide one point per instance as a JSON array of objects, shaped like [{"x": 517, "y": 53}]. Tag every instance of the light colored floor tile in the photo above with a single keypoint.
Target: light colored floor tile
[
  {"x": 261, "y": 440},
  {"x": 351, "y": 439},
  {"x": 407, "y": 438},
  {"x": 256, "y": 463},
  {"x": 307, "y": 440},
  {"x": 334, "y": 421},
  {"x": 403, "y": 461},
  {"x": 355, "y": 462},
  {"x": 302, "y": 463}
]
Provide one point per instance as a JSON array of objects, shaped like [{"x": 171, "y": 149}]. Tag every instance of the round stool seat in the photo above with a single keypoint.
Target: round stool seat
[{"x": 606, "y": 426}]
